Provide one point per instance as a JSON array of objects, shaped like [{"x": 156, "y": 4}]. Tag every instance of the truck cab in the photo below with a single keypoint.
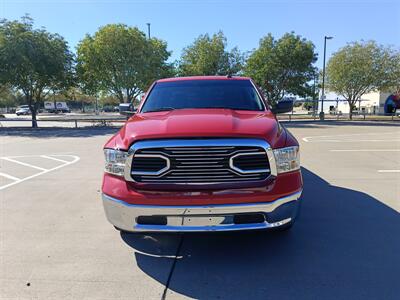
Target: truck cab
[{"x": 202, "y": 153}]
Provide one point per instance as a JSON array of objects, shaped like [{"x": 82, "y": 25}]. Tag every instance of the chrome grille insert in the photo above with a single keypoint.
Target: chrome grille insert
[
  {"x": 250, "y": 162},
  {"x": 149, "y": 164},
  {"x": 202, "y": 161}
]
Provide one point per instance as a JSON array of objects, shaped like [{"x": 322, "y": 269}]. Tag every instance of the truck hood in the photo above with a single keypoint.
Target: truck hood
[{"x": 182, "y": 123}]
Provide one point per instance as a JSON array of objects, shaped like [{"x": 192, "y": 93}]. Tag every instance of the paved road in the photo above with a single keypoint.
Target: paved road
[{"x": 56, "y": 242}]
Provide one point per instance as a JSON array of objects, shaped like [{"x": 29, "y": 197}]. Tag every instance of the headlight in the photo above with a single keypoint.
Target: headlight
[
  {"x": 287, "y": 159},
  {"x": 115, "y": 161}
]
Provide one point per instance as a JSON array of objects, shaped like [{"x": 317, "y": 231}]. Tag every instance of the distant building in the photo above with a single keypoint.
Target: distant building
[
  {"x": 371, "y": 103},
  {"x": 377, "y": 99}
]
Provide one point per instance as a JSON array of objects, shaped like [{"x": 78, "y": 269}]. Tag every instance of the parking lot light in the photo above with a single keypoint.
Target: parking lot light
[
  {"x": 148, "y": 30},
  {"x": 322, "y": 114}
]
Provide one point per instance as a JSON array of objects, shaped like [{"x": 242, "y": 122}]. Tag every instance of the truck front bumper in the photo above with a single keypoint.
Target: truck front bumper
[{"x": 224, "y": 217}]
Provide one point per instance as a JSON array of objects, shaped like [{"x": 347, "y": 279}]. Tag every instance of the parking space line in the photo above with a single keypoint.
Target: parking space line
[
  {"x": 37, "y": 155},
  {"x": 307, "y": 138},
  {"x": 388, "y": 171},
  {"x": 365, "y": 150},
  {"x": 357, "y": 141},
  {"x": 22, "y": 163},
  {"x": 9, "y": 176},
  {"x": 53, "y": 158},
  {"x": 44, "y": 171}
]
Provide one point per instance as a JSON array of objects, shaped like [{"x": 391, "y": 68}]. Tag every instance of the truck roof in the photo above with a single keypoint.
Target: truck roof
[{"x": 202, "y": 78}]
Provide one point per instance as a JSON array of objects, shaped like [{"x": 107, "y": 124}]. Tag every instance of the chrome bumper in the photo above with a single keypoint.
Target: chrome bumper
[{"x": 200, "y": 218}]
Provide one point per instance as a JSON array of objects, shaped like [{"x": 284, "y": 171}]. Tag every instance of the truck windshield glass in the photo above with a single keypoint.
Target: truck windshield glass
[{"x": 229, "y": 94}]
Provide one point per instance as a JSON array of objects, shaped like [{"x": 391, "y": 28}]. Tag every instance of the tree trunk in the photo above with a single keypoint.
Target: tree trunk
[
  {"x": 96, "y": 106},
  {"x": 120, "y": 97},
  {"x": 34, "y": 121},
  {"x": 33, "y": 108},
  {"x": 128, "y": 96},
  {"x": 350, "y": 109}
]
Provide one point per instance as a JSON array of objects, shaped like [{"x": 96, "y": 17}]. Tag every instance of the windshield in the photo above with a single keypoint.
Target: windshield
[{"x": 230, "y": 94}]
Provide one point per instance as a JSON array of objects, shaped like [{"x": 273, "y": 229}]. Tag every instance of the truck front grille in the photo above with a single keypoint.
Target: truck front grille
[{"x": 200, "y": 164}]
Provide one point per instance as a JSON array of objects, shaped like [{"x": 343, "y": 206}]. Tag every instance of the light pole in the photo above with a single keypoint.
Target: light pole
[
  {"x": 148, "y": 29},
  {"x": 322, "y": 114},
  {"x": 315, "y": 96}
]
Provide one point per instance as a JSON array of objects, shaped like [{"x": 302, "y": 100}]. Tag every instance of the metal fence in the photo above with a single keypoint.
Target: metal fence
[
  {"x": 338, "y": 117},
  {"x": 67, "y": 123},
  {"x": 119, "y": 121}
]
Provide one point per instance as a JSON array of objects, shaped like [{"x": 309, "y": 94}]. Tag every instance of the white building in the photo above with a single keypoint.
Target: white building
[{"x": 371, "y": 103}]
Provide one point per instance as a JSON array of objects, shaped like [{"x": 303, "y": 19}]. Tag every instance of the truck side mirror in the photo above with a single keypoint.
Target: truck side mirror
[
  {"x": 282, "y": 107},
  {"x": 128, "y": 113},
  {"x": 127, "y": 109}
]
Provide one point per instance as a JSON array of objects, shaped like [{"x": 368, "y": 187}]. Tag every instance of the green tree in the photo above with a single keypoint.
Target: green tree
[
  {"x": 120, "y": 60},
  {"x": 108, "y": 100},
  {"x": 283, "y": 66},
  {"x": 33, "y": 61},
  {"x": 74, "y": 96},
  {"x": 359, "y": 68},
  {"x": 394, "y": 73},
  {"x": 9, "y": 97},
  {"x": 209, "y": 56}
]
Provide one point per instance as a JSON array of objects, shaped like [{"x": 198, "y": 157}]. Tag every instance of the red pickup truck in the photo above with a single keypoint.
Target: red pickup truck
[{"x": 202, "y": 154}]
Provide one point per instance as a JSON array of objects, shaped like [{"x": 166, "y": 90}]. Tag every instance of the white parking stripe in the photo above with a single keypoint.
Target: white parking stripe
[
  {"x": 22, "y": 163},
  {"x": 308, "y": 138},
  {"x": 53, "y": 158},
  {"x": 37, "y": 155},
  {"x": 75, "y": 159},
  {"x": 365, "y": 150},
  {"x": 389, "y": 171},
  {"x": 357, "y": 141},
  {"x": 9, "y": 176}
]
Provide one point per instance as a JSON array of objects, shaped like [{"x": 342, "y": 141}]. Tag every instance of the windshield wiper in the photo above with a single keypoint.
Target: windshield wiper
[{"x": 160, "y": 109}]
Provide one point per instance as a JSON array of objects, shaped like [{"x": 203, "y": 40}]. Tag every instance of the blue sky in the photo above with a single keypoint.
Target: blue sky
[{"x": 243, "y": 22}]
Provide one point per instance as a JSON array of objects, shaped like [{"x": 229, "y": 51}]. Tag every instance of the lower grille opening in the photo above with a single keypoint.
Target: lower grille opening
[
  {"x": 248, "y": 218},
  {"x": 151, "y": 220}
]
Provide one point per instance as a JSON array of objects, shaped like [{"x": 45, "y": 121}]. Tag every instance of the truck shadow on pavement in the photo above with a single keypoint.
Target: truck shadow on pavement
[{"x": 345, "y": 245}]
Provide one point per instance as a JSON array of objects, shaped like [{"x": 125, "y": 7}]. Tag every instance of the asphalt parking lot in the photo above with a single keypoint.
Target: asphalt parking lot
[{"x": 56, "y": 242}]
